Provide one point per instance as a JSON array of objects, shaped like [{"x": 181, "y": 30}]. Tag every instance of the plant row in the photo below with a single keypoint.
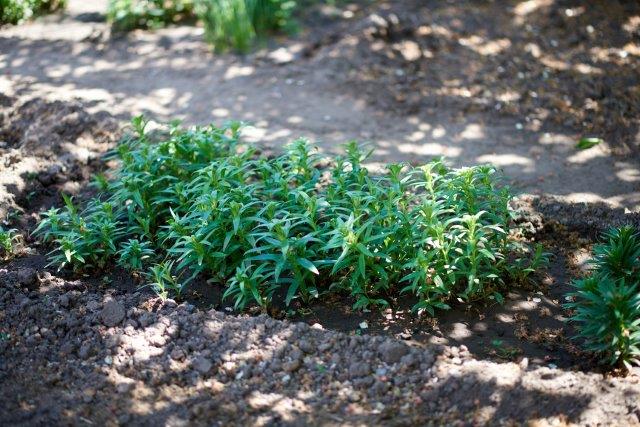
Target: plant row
[{"x": 198, "y": 203}]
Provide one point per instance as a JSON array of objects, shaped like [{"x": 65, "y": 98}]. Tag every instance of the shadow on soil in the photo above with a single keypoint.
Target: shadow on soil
[{"x": 147, "y": 384}]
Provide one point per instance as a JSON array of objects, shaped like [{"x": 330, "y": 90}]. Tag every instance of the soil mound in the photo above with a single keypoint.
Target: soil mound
[{"x": 48, "y": 144}]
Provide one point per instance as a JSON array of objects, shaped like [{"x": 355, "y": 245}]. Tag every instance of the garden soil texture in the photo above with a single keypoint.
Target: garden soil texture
[{"x": 511, "y": 84}]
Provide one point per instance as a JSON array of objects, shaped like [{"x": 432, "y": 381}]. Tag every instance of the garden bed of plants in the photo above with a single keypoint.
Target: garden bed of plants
[
  {"x": 124, "y": 336},
  {"x": 195, "y": 214},
  {"x": 179, "y": 274}
]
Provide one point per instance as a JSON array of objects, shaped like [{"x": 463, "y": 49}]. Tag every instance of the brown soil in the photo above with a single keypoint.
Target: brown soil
[{"x": 511, "y": 83}]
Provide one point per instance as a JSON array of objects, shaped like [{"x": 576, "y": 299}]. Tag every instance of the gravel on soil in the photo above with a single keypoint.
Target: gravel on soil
[{"x": 72, "y": 356}]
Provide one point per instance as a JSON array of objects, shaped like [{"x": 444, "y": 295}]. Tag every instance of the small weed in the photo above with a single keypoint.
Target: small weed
[
  {"x": 163, "y": 282},
  {"x": 499, "y": 349},
  {"x": 8, "y": 240}
]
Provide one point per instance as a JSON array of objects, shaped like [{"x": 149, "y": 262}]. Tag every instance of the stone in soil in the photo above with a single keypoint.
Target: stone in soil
[{"x": 112, "y": 313}]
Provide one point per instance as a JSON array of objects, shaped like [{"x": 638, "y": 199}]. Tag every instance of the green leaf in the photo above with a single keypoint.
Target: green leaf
[
  {"x": 586, "y": 143},
  {"x": 305, "y": 263},
  {"x": 291, "y": 292}
]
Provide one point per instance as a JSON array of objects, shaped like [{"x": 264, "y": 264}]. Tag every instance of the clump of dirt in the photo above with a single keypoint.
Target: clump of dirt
[
  {"x": 48, "y": 146},
  {"x": 553, "y": 65}
]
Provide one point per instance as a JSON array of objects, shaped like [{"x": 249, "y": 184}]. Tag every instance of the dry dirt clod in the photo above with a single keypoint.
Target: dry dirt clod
[
  {"x": 27, "y": 277},
  {"x": 392, "y": 352},
  {"x": 202, "y": 365},
  {"x": 112, "y": 313}
]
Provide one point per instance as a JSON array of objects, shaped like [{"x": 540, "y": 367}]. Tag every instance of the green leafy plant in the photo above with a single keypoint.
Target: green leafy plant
[
  {"x": 126, "y": 15},
  {"x": 228, "y": 24},
  {"x": 606, "y": 304},
  {"x": 162, "y": 280},
  {"x": 133, "y": 254},
  {"x": 17, "y": 11},
  {"x": 8, "y": 240},
  {"x": 237, "y": 23},
  {"x": 206, "y": 205}
]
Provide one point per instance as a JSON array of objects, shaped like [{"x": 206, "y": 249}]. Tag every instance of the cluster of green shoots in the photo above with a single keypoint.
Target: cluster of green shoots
[
  {"x": 199, "y": 203},
  {"x": 606, "y": 304},
  {"x": 16, "y": 11},
  {"x": 8, "y": 241},
  {"x": 227, "y": 23}
]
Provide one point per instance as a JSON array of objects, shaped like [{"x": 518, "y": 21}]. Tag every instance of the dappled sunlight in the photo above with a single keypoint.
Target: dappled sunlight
[
  {"x": 628, "y": 172},
  {"x": 220, "y": 112},
  {"x": 235, "y": 71},
  {"x": 429, "y": 150},
  {"x": 580, "y": 259},
  {"x": 524, "y": 8},
  {"x": 285, "y": 407},
  {"x": 473, "y": 131},
  {"x": 485, "y": 47},
  {"x": 438, "y": 132},
  {"x": 556, "y": 139},
  {"x": 560, "y": 65},
  {"x": 286, "y": 54},
  {"x": 506, "y": 160},
  {"x": 586, "y": 156},
  {"x": 587, "y": 197},
  {"x": 416, "y": 136},
  {"x": 459, "y": 332}
]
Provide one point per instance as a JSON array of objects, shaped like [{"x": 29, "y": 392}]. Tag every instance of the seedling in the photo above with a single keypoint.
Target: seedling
[
  {"x": 8, "y": 240},
  {"x": 503, "y": 351}
]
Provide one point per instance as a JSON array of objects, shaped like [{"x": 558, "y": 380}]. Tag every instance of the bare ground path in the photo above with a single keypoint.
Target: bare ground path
[{"x": 171, "y": 74}]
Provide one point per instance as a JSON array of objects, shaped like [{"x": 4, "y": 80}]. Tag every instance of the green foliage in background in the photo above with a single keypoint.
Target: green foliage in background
[
  {"x": 16, "y": 11},
  {"x": 607, "y": 302},
  {"x": 200, "y": 203},
  {"x": 237, "y": 23},
  {"x": 228, "y": 23},
  {"x": 126, "y": 15}
]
